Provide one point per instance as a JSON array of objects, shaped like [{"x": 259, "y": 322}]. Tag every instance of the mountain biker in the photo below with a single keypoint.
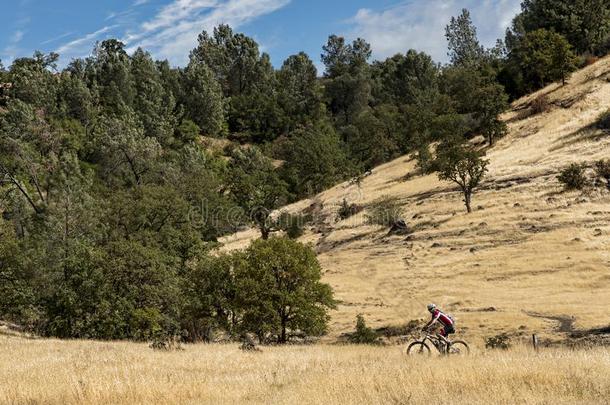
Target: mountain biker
[{"x": 448, "y": 324}]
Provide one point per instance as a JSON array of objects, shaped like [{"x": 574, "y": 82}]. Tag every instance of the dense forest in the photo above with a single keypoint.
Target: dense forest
[{"x": 111, "y": 201}]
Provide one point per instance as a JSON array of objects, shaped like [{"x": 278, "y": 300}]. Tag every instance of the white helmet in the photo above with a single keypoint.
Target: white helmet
[{"x": 431, "y": 307}]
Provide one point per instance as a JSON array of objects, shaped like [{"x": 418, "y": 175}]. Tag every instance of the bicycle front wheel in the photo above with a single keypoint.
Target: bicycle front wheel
[
  {"x": 459, "y": 348},
  {"x": 418, "y": 349}
]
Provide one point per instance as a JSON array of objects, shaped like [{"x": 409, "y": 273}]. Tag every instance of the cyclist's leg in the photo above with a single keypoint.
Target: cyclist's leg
[{"x": 442, "y": 333}]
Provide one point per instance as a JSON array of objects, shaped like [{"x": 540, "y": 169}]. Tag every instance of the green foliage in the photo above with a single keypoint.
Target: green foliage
[
  {"x": 464, "y": 47},
  {"x": 292, "y": 224},
  {"x": 385, "y": 212},
  {"x": 543, "y": 57},
  {"x": 585, "y": 23},
  {"x": 300, "y": 95},
  {"x": 347, "y": 85},
  {"x": 211, "y": 297},
  {"x": 187, "y": 131},
  {"x": 279, "y": 291},
  {"x": 501, "y": 341},
  {"x": 315, "y": 160},
  {"x": 256, "y": 186},
  {"x": 203, "y": 102},
  {"x": 573, "y": 177},
  {"x": 363, "y": 334},
  {"x": 463, "y": 166}
]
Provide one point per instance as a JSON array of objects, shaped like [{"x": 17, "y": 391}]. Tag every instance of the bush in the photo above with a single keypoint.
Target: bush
[
  {"x": 589, "y": 60},
  {"x": 385, "y": 211},
  {"x": 293, "y": 225},
  {"x": 573, "y": 177},
  {"x": 363, "y": 334},
  {"x": 346, "y": 210},
  {"x": 501, "y": 341},
  {"x": 602, "y": 170},
  {"x": 603, "y": 121},
  {"x": 540, "y": 104}
]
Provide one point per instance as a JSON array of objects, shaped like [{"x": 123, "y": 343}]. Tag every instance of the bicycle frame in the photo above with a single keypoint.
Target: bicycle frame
[{"x": 437, "y": 342}]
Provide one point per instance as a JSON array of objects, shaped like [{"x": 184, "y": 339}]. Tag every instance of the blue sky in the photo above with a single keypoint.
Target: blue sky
[{"x": 169, "y": 28}]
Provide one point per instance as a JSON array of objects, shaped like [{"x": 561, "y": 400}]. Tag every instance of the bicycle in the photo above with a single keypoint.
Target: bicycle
[{"x": 449, "y": 348}]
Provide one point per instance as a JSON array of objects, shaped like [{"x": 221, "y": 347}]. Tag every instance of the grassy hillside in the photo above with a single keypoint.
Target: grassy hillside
[
  {"x": 531, "y": 258},
  {"x": 85, "y": 372}
]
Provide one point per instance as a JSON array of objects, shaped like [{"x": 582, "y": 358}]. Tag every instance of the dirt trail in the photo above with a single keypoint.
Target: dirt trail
[{"x": 566, "y": 323}]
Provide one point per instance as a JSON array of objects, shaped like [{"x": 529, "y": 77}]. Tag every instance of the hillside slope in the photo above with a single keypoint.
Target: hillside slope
[{"x": 531, "y": 258}]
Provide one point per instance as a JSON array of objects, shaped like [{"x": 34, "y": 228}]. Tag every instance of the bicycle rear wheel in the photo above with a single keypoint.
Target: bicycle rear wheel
[
  {"x": 418, "y": 349},
  {"x": 459, "y": 348}
]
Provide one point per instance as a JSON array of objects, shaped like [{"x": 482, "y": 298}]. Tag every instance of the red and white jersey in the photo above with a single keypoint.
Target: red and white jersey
[{"x": 437, "y": 315}]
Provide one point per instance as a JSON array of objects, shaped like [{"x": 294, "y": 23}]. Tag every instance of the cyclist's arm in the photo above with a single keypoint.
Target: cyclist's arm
[{"x": 432, "y": 321}]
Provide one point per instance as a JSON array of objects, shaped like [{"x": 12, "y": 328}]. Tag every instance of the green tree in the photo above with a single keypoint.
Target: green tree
[
  {"x": 153, "y": 105},
  {"x": 247, "y": 80},
  {"x": 125, "y": 154},
  {"x": 211, "y": 292},
  {"x": 348, "y": 78},
  {"x": 491, "y": 101},
  {"x": 464, "y": 47},
  {"x": 110, "y": 73},
  {"x": 279, "y": 290},
  {"x": 584, "y": 23},
  {"x": 33, "y": 82},
  {"x": 463, "y": 166},
  {"x": 300, "y": 96},
  {"x": 256, "y": 187},
  {"x": 545, "y": 56},
  {"x": 315, "y": 160},
  {"x": 203, "y": 100}
]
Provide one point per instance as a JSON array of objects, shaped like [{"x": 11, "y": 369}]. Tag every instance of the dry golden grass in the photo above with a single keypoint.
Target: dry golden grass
[
  {"x": 529, "y": 247},
  {"x": 83, "y": 372}
]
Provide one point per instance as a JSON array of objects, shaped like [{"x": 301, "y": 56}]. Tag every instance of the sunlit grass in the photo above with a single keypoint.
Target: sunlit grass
[{"x": 79, "y": 372}]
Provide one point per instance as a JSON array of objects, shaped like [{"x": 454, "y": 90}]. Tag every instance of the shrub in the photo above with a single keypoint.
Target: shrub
[
  {"x": 540, "y": 104},
  {"x": 501, "y": 341},
  {"x": 293, "y": 225},
  {"x": 602, "y": 170},
  {"x": 385, "y": 211},
  {"x": 603, "y": 121},
  {"x": 363, "y": 334},
  {"x": 346, "y": 210},
  {"x": 573, "y": 177},
  {"x": 590, "y": 60}
]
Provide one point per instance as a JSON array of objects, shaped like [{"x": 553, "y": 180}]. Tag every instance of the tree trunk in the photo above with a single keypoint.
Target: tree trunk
[
  {"x": 283, "y": 336},
  {"x": 265, "y": 232},
  {"x": 467, "y": 200}
]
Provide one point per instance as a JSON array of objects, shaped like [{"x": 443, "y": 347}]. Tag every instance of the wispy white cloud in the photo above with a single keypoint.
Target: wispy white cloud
[
  {"x": 137, "y": 3},
  {"x": 57, "y": 38},
  {"x": 83, "y": 44},
  {"x": 172, "y": 33},
  {"x": 420, "y": 24},
  {"x": 12, "y": 47},
  {"x": 17, "y": 37}
]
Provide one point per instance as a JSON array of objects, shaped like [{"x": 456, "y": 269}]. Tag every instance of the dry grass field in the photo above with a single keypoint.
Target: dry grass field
[
  {"x": 528, "y": 247},
  {"x": 84, "y": 372}
]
